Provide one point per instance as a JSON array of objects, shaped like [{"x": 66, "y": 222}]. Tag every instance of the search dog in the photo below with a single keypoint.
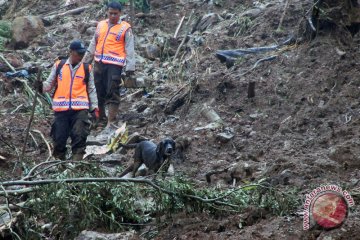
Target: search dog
[{"x": 152, "y": 155}]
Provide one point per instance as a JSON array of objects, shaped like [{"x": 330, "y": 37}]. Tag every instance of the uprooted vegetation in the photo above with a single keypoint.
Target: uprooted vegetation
[
  {"x": 277, "y": 108},
  {"x": 85, "y": 197}
]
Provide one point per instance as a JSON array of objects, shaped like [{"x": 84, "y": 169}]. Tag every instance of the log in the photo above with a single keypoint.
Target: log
[
  {"x": 70, "y": 12},
  {"x": 176, "y": 102}
]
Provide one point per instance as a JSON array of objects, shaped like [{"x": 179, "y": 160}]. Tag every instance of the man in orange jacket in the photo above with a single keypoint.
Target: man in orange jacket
[
  {"x": 112, "y": 48},
  {"x": 74, "y": 97}
]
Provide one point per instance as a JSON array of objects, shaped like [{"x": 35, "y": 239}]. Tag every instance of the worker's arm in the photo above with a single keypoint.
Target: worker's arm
[
  {"x": 89, "y": 55},
  {"x": 130, "y": 50},
  {"x": 92, "y": 92},
  {"x": 50, "y": 81}
]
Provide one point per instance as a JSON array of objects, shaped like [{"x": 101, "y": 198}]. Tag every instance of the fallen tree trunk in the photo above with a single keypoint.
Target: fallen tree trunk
[
  {"x": 177, "y": 100},
  {"x": 70, "y": 12}
]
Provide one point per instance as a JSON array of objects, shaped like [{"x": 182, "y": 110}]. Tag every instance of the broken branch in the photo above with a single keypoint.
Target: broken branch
[
  {"x": 8, "y": 210},
  {"x": 179, "y": 26},
  {"x": 114, "y": 179},
  {"x": 19, "y": 205},
  {"x": 186, "y": 33},
  {"x": 70, "y": 12},
  {"x": 17, "y": 108},
  {"x": 46, "y": 142},
  {"x": 31, "y": 119},
  {"x": 7, "y": 63},
  {"x": 311, "y": 24},
  {"x": 17, "y": 192},
  {"x": 37, "y": 166},
  {"x": 34, "y": 140},
  {"x": 283, "y": 15}
]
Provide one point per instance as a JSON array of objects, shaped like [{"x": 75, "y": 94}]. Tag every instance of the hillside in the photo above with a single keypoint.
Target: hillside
[{"x": 300, "y": 130}]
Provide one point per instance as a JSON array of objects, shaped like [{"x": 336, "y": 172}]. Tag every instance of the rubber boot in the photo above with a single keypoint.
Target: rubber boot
[
  {"x": 59, "y": 155},
  {"x": 102, "y": 114},
  {"x": 112, "y": 113}
]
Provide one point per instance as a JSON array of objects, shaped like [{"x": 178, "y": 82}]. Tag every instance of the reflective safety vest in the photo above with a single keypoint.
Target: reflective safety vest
[
  {"x": 110, "y": 47},
  {"x": 71, "y": 92}
]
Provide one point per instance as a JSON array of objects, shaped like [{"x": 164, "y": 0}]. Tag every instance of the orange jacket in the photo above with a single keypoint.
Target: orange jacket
[
  {"x": 110, "y": 46},
  {"x": 71, "y": 93}
]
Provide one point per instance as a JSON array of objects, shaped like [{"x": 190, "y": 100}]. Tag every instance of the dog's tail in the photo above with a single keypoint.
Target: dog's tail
[{"x": 128, "y": 146}]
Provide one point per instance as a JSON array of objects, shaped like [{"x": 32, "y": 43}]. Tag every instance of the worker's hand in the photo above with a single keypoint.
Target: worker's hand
[
  {"x": 38, "y": 85},
  {"x": 94, "y": 118},
  {"x": 128, "y": 79},
  {"x": 96, "y": 113},
  {"x": 127, "y": 75}
]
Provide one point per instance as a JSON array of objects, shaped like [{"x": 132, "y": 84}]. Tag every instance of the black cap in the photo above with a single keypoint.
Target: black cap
[
  {"x": 77, "y": 46},
  {"x": 115, "y": 5}
]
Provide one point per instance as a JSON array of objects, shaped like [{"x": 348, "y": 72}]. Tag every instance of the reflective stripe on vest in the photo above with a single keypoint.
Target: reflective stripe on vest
[
  {"x": 110, "y": 47},
  {"x": 71, "y": 92}
]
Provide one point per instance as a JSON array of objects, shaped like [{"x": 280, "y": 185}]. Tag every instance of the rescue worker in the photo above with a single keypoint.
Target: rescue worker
[
  {"x": 112, "y": 48},
  {"x": 74, "y": 97}
]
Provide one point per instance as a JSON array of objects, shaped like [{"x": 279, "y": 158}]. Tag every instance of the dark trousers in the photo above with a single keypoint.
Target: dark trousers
[
  {"x": 107, "y": 82},
  {"x": 73, "y": 124}
]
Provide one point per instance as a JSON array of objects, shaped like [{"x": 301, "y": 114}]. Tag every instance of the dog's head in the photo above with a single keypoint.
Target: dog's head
[{"x": 166, "y": 147}]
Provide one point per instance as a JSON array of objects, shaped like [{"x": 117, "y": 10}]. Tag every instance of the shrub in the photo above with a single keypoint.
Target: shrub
[{"x": 5, "y": 33}]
